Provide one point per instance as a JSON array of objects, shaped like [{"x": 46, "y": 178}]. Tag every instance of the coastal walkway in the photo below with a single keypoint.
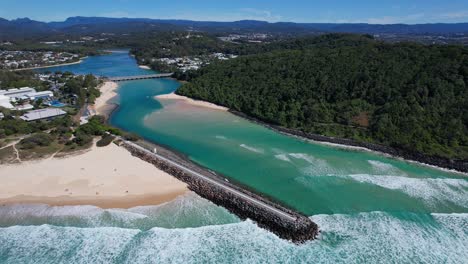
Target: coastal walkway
[
  {"x": 219, "y": 183},
  {"x": 140, "y": 77}
]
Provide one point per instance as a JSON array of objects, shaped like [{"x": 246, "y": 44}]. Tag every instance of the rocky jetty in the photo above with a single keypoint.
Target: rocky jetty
[{"x": 298, "y": 229}]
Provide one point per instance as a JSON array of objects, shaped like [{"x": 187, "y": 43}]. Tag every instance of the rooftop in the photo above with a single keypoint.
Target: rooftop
[{"x": 42, "y": 114}]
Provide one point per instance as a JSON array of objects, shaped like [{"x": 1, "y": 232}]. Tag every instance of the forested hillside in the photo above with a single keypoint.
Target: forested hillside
[{"x": 407, "y": 96}]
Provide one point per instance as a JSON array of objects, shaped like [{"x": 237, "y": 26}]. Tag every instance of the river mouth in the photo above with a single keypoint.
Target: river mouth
[{"x": 364, "y": 203}]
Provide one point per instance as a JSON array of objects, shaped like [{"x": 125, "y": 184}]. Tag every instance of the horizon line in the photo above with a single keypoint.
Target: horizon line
[{"x": 233, "y": 21}]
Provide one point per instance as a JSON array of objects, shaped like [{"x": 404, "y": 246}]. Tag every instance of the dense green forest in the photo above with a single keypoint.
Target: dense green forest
[
  {"x": 406, "y": 95},
  {"x": 17, "y": 79},
  {"x": 180, "y": 44}
]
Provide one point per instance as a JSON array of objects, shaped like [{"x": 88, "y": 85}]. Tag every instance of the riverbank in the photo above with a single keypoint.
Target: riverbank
[
  {"x": 51, "y": 66},
  {"x": 103, "y": 104},
  {"x": 443, "y": 163},
  {"x": 144, "y": 67},
  {"x": 108, "y": 177},
  {"x": 173, "y": 96}
]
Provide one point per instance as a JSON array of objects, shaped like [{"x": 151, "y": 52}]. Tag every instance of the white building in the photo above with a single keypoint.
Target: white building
[
  {"x": 47, "y": 113},
  {"x": 38, "y": 95},
  {"x": 5, "y": 102},
  {"x": 17, "y": 93},
  {"x": 24, "y": 107}
]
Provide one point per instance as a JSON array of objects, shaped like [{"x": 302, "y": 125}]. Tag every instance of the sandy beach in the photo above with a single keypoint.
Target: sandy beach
[
  {"x": 173, "y": 96},
  {"x": 144, "y": 67},
  {"x": 103, "y": 106},
  {"x": 108, "y": 177}
]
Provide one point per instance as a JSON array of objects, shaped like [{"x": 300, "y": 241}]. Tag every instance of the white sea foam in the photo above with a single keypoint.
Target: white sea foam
[
  {"x": 250, "y": 148},
  {"x": 283, "y": 157},
  {"x": 49, "y": 244},
  {"x": 316, "y": 167},
  {"x": 83, "y": 215},
  {"x": 378, "y": 237},
  {"x": 385, "y": 168},
  {"x": 429, "y": 189},
  {"x": 374, "y": 237},
  {"x": 309, "y": 158},
  {"x": 172, "y": 214}
]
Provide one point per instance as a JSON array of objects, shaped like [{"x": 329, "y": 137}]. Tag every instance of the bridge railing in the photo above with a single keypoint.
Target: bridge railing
[{"x": 140, "y": 77}]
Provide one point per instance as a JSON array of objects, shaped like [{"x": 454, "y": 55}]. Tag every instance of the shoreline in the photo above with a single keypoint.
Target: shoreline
[
  {"x": 417, "y": 158},
  {"x": 103, "y": 104},
  {"x": 51, "y": 66},
  {"x": 107, "y": 177},
  {"x": 173, "y": 96},
  {"x": 145, "y": 67},
  {"x": 110, "y": 202},
  {"x": 454, "y": 166}
]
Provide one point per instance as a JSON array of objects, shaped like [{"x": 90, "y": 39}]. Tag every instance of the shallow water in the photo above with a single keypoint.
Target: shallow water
[{"x": 370, "y": 208}]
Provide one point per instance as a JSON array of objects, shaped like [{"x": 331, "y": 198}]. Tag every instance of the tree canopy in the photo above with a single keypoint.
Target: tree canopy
[{"x": 404, "y": 95}]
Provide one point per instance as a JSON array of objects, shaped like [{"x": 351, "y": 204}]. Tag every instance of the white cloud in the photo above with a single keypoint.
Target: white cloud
[
  {"x": 409, "y": 19},
  {"x": 236, "y": 15},
  {"x": 260, "y": 14},
  {"x": 455, "y": 15}
]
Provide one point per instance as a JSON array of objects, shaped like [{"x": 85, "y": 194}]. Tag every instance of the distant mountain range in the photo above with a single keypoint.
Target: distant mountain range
[{"x": 26, "y": 28}]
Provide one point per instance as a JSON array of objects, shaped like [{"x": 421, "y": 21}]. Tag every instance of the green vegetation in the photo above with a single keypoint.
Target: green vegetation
[
  {"x": 36, "y": 140},
  {"x": 178, "y": 44},
  {"x": 9, "y": 79},
  {"x": 35, "y": 45},
  {"x": 84, "y": 87},
  {"x": 406, "y": 95},
  {"x": 105, "y": 140},
  {"x": 171, "y": 45}
]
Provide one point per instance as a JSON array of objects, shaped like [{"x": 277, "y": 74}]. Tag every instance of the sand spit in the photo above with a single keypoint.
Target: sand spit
[{"x": 173, "y": 96}]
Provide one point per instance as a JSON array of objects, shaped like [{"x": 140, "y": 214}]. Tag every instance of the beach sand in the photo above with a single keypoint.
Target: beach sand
[
  {"x": 108, "y": 177},
  {"x": 103, "y": 105},
  {"x": 173, "y": 96},
  {"x": 144, "y": 67}
]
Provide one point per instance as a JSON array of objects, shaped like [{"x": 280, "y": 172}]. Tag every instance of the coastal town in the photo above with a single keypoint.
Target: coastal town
[
  {"x": 13, "y": 60},
  {"x": 47, "y": 99},
  {"x": 193, "y": 62}
]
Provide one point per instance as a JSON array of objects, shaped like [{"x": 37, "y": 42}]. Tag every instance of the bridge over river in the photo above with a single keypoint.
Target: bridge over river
[{"x": 140, "y": 77}]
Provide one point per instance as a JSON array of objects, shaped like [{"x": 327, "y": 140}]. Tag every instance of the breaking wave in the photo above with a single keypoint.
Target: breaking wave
[
  {"x": 374, "y": 237},
  {"x": 429, "y": 189},
  {"x": 283, "y": 157},
  {"x": 250, "y": 148},
  {"x": 173, "y": 214},
  {"x": 380, "y": 167}
]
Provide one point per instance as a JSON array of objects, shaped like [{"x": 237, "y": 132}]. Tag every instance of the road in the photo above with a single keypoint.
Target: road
[{"x": 218, "y": 183}]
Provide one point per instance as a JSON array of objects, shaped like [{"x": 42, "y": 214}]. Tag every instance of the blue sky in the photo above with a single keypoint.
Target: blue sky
[{"x": 335, "y": 11}]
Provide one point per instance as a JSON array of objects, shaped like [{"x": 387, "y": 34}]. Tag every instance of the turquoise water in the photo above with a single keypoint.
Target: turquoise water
[{"x": 370, "y": 208}]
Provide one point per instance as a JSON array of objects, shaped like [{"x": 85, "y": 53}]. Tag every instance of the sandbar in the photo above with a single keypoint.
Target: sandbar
[{"x": 173, "y": 96}]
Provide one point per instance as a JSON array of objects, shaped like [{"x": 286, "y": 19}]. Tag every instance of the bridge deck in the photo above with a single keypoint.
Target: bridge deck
[{"x": 140, "y": 77}]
